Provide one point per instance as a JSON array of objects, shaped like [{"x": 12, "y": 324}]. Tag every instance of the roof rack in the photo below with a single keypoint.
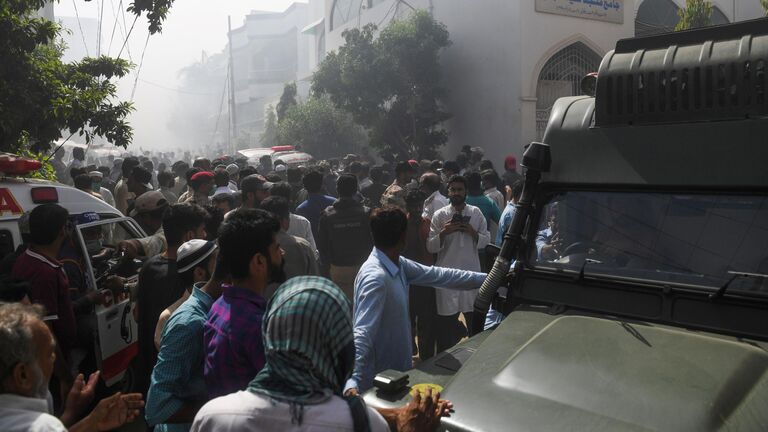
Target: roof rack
[{"x": 716, "y": 73}]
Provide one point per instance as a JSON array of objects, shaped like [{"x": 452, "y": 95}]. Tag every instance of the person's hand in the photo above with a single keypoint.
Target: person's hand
[
  {"x": 116, "y": 284},
  {"x": 116, "y": 410},
  {"x": 65, "y": 385},
  {"x": 128, "y": 249},
  {"x": 79, "y": 397},
  {"x": 99, "y": 297},
  {"x": 469, "y": 229},
  {"x": 449, "y": 228},
  {"x": 423, "y": 412},
  {"x": 351, "y": 392},
  {"x": 81, "y": 394}
]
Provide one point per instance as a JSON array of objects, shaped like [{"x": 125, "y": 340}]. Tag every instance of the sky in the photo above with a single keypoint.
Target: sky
[{"x": 192, "y": 26}]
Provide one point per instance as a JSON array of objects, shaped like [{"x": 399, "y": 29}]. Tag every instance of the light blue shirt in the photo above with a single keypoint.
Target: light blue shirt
[
  {"x": 381, "y": 319},
  {"x": 504, "y": 221},
  {"x": 178, "y": 374}
]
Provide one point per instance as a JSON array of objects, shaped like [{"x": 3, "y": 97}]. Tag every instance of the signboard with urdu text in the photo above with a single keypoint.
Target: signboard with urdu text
[{"x": 601, "y": 10}]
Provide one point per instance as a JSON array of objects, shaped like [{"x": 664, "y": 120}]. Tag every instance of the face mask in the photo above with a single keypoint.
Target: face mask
[
  {"x": 96, "y": 186},
  {"x": 276, "y": 273},
  {"x": 93, "y": 246},
  {"x": 456, "y": 200}
]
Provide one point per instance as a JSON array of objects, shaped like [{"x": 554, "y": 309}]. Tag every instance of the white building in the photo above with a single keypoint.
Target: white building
[
  {"x": 510, "y": 60},
  {"x": 268, "y": 51},
  {"x": 81, "y": 37}
]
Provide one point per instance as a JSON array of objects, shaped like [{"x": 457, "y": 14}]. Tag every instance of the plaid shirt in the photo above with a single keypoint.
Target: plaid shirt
[{"x": 233, "y": 341}]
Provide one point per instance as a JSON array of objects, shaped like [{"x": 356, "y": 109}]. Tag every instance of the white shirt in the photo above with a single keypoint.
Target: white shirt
[
  {"x": 107, "y": 195},
  {"x": 458, "y": 251},
  {"x": 246, "y": 411},
  {"x": 433, "y": 203},
  {"x": 25, "y": 414},
  {"x": 300, "y": 227}
]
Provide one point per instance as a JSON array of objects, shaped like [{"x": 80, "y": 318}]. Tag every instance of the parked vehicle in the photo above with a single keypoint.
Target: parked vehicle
[{"x": 638, "y": 296}]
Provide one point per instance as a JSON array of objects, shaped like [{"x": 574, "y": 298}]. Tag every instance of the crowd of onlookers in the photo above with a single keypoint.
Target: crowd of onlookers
[{"x": 269, "y": 296}]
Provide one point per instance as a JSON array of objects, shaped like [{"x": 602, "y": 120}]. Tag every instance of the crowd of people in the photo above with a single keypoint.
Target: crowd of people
[{"x": 269, "y": 296}]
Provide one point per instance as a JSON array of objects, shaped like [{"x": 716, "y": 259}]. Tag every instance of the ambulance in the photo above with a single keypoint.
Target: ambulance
[{"x": 116, "y": 334}]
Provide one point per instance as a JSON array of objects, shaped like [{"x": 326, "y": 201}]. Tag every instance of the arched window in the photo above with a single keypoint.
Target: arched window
[
  {"x": 660, "y": 16},
  {"x": 344, "y": 10},
  {"x": 656, "y": 16},
  {"x": 561, "y": 76}
]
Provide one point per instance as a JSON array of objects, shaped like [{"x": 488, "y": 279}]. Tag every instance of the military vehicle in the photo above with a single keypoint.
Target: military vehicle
[{"x": 637, "y": 297}]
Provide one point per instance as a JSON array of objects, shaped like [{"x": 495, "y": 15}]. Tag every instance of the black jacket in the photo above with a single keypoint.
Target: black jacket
[{"x": 344, "y": 234}]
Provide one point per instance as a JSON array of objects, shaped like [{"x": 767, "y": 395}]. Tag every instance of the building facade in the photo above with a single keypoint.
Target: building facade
[
  {"x": 510, "y": 60},
  {"x": 268, "y": 50}
]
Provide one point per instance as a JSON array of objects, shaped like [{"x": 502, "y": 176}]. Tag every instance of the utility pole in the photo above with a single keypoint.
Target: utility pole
[{"x": 232, "y": 114}]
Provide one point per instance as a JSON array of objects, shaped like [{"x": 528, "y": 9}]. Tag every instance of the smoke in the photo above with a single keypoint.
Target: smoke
[{"x": 192, "y": 28}]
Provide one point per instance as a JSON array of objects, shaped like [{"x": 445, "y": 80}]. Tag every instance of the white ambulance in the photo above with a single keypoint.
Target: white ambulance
[{"x": 116, "y": 338}]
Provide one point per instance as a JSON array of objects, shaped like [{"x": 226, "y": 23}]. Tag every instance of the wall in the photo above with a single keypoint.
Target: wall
[{"x": 499, "y": 48}]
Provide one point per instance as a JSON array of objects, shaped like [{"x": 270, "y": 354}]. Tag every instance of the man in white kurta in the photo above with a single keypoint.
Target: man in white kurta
[{"x": 457, "y": 232}]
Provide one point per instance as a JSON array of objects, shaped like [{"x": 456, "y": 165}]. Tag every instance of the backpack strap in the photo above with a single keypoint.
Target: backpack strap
[{"x": 359, "y": 412}]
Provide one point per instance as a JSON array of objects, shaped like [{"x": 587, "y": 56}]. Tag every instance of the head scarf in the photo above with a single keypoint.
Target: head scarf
[{"x": 308, "y": 343}]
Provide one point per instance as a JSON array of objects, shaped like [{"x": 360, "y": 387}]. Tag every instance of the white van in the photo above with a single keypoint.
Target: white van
[{"x": 116, "y": 341}]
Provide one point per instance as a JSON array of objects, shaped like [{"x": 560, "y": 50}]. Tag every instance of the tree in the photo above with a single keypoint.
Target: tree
[
  {"x": 764, "y": 3},
  {"x": 321, "y": 128},
  {"x": 287, "y": 100},
  {"x": 695, "y": 14},
  {"x": 391, "y": 84},
  {"x": 40, "y": 95},
  {"x": 268, "y": 137}
]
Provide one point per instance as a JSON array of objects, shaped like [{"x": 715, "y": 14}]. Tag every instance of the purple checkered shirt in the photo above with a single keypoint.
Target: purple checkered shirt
[{"x": 234, "y": 348}]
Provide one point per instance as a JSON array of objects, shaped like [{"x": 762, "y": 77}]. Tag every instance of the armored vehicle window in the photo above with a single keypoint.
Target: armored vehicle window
[{"x": 681, "y": 239}]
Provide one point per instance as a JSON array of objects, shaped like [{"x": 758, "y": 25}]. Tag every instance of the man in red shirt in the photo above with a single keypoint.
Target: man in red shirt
[{"x": 49, "y": 227}]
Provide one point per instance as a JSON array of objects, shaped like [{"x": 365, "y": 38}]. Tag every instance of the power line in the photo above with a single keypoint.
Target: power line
[
  {"x": 125, "y": 42},
  {"x": 80, "y": 26},
  {"x": 141, "y": 62},
  {"x": 124, "y": 27},
  {"x": 114, "y": 25}
]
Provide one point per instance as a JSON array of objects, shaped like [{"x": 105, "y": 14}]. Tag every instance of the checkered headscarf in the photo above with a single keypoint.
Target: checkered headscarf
[{"x": 308, "y": 342}]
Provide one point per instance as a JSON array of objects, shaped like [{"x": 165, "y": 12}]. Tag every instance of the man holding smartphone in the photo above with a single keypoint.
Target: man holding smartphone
[{"x": 457, "y": 232}]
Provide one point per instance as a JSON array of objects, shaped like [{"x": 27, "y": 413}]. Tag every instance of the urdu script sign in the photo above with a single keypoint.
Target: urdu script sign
[{"x": 601, "y": 10}]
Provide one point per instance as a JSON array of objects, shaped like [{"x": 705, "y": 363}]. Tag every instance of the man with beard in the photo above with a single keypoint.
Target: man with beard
[
  {"x": 456, "y": 234},
  {"x": 27, "y": 354},
  {"x": 249, "y": 249}
]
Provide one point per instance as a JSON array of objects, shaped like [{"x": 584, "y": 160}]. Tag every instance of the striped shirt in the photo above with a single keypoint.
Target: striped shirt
[{"x": 233, "y": 341}]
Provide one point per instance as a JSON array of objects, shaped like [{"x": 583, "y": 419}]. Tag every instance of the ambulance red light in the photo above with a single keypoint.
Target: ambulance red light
[
  {"x": 14, "y": 165},
  {"x": 45, "y": 195},
  {"x": 282, "y": 148}
]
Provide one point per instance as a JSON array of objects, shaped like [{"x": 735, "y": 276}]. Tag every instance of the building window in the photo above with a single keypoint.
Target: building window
[
  {"x": 343, "y": 11},
  {"x": 660, "y": 16},
  {"x": 560, "y": 77}
]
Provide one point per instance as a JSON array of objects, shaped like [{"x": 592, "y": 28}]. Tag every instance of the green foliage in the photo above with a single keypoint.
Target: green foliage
[
  {"x": 764, "y": 3},
  {"x": 157, "y": 12},
  {"x": 391, "y": 85},
  {"x": 695, "y": 14},
  {"x": 321, "y": 128},
  {"x": 287, "y": 100},
  {"x": 40, "y": 96},
  {"x": 268, "y": 137}
]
